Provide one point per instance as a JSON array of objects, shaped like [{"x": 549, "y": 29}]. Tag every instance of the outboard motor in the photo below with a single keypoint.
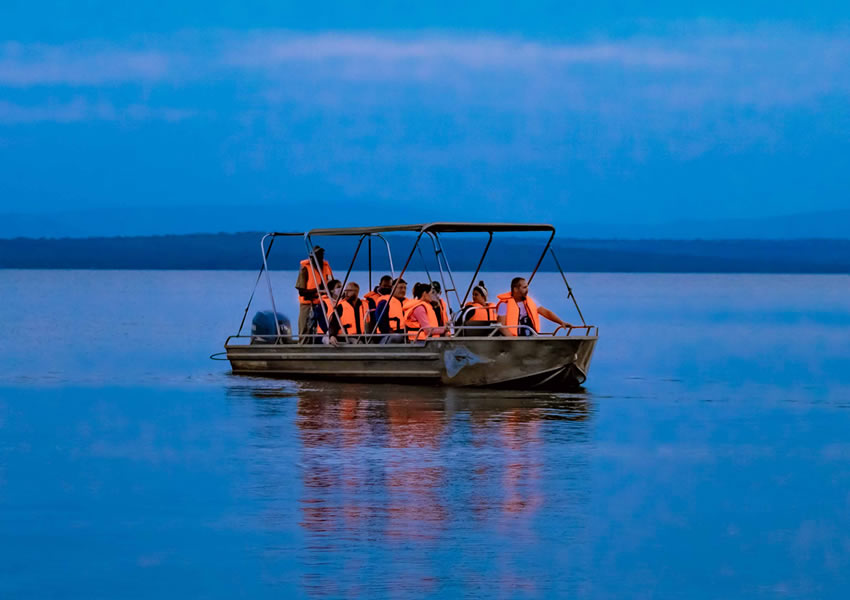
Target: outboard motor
[{"x": 263, "y": 330}]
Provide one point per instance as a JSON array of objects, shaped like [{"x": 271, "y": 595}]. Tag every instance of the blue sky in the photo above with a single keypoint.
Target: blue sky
[{"x": 347, "y": 113}]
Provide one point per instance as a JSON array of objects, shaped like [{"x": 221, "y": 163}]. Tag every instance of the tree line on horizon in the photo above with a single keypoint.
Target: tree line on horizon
[{"x": 241, "y": 251}]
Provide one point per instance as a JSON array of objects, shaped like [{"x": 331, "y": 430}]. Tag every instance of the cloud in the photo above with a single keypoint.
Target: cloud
[
  {"x": 80, "y": 109},
  {"x": 264, "y": 50},
  {"x": 81, "y": 64},
  {"x": 679, "y": 70},
  {"x": 432, "y": 115}
]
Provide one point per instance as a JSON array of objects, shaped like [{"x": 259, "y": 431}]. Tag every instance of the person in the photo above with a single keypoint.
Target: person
[
  {"x": 516, "y": 308},
  {"x": 384, "y": 288},
  {"x": 308, "y": 284},
  {"x": 389, "y": 312},
  {"x": 350, "y": 316},
  {"x": 438, "y": 304},
  {"x": 478, "y": 312},
  {"x": 322, "y": 311},
  {"x": 419, "y": 315}
]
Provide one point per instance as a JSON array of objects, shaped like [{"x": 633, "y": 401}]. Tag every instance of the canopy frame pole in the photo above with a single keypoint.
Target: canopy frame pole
[
  {"x": 569, "y": 289},
  {"x": 396, "y": 280},
  {"x": 344, "y": 281},
  {"x": 425, "y": 265},
  {"x": 540, "y": 260},
  {"x": 389, "y": 254},
  {"x": 269, "y": 280},
  {"x": 438, "y": 252},
  {"x": 314, "y": 261},
  {"x": 265, "y": 252},
  {"x": 311, "y": 256},
  {"x": 477, "y": 269}
]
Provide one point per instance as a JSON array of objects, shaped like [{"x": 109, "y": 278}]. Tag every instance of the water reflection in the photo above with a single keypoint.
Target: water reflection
[{"x": 390, "y": 476}]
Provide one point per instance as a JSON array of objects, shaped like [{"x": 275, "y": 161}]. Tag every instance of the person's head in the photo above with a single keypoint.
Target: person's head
[
  {"x": 352, "y": 290},
  {"x": 400, "y": 289},
  {"x": 386, "y": 282},
  {"x": 422, "y": 291},
  {"x": 334, "y": 287},
  {"x": 479, "y": 293},
  {"x": 519, "y": 288},
  {"x": 436, "y": 288},
  {"x": 319, "y": 253}
]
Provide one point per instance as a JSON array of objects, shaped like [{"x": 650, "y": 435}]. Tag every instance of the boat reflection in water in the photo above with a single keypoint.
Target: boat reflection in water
[{"x": 425, "y": 485}]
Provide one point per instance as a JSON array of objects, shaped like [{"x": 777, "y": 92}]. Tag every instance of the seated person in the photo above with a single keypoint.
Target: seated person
[
  {"x": 349, "y": 319},
  {"x": 478, "y": 312},
  {"x": 389, "y": 311},
  {"x": 325, "y": 306},
  {"x": 516, "y": 309},
  {"x": 419, "y": 316},
  {"x": 384, "y": 288},
  {"x": 438, "y": 304}
]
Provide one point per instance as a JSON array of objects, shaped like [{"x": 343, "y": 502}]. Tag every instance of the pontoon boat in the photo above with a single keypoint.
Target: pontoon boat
[{"x": 474, "y": 355}]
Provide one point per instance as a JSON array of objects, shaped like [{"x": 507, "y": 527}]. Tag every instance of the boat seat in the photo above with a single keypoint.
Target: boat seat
[{"x": 477, "y": 332}]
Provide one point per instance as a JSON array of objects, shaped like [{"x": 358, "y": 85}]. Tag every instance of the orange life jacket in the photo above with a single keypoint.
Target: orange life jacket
[
  {"x": 445, "y": 312},
  {"x": 414, "y": 329},
  {"x": 313, "y": 280},
  {"x": 394, "y": 309},
  {"x": 353, "y": 321},
  {"x": 480, "y": 312},
  {"x": 512, "y": 316},
  {"x": 370, "y": 299}
]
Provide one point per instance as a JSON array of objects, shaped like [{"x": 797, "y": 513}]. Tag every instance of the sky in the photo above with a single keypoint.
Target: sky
[{"x": 324, "y": 114}]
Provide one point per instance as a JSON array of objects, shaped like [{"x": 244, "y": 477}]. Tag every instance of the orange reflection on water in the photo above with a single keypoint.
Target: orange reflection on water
[
  {"x": 414, "y": 471},
  {"x": 520, "y": 436},
  {"x": 408, "y": 468}
]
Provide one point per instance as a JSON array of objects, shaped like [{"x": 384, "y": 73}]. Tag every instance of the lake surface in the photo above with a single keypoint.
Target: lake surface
[{"x": 707, "y": 457}]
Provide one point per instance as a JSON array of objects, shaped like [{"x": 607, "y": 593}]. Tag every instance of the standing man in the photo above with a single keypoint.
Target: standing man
[
  {"x": 516, "y": 308},
  {"x": 308, "y": 284}
]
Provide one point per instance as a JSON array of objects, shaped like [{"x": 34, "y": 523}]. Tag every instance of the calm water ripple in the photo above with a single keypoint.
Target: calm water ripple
[{"x": 707, "y": 457}]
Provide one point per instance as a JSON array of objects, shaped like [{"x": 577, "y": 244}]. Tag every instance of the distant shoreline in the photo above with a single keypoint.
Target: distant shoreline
[{"x": 241, "y": 251}]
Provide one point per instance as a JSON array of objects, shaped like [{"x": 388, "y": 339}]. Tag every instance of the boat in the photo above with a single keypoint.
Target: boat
[{"x": 472, "y": 356}]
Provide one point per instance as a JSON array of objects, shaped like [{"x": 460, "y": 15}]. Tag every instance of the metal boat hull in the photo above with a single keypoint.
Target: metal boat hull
[{"x": 556, "y": 363}]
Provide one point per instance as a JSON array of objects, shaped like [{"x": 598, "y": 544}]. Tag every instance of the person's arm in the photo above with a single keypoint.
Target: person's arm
[
  {"x": 335, "y": 326},
  {"x": 421, "y": 317},
  {"x": 367, "y": 322},
  {"x": 382, "y": 314},
  {"x": 320, "y": 316},
  {"x": 425, "y": 324},
  {"x": 301, "y": 286},
  {"x": 301, "y": 282},
  {"x": 502, "y": 318},
  {"x": 545, "y": 312}
]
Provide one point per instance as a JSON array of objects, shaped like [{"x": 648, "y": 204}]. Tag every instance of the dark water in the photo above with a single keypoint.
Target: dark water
[{"x": 708, "y": 457}]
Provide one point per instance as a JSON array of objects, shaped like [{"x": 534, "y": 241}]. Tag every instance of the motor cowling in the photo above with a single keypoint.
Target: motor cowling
[{"x": 264, "y": 331}]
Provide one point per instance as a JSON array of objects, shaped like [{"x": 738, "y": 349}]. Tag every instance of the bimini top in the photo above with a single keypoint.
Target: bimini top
[{"x": 433, "y": 227}]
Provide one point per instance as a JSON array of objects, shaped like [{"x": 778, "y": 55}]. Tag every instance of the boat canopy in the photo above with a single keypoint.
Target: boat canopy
[
  {"x": 441, "y": 227},
  {"x": 430, "y": 230}
]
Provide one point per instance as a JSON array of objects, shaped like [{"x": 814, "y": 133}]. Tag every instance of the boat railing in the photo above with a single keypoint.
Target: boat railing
[
  {"x": 570, "y": 328},
  {"x": 486, "y": 331}
]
